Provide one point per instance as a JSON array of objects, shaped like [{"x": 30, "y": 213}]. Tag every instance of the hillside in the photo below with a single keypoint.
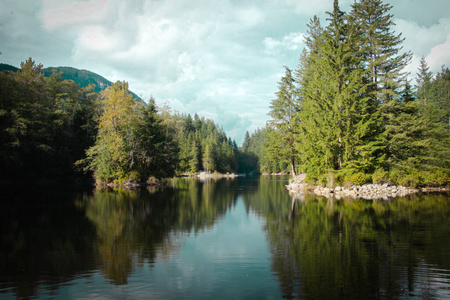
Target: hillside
[
  {"x": 5, "y": 68},
  {"x": 81, "y": 77}
]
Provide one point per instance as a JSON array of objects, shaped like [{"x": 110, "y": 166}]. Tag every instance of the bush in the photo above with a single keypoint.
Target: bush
[
  {"x": 412, "y": 179},
  {"x": 358, "y": 178},
  {"x": 380, "y": 176},
  {"x": 435, "y": 177},
  {"x": 128, "y": 177},
  {"x": 395, "y": 176}
]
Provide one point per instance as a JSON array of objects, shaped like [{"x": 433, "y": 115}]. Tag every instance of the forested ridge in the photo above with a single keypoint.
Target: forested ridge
[
  {"x": 349, "y": 113},
  {"x": 51, "y": 127}
]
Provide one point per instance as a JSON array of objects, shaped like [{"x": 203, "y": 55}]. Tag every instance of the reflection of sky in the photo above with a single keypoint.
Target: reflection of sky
[{"x": 232, "y": 260}]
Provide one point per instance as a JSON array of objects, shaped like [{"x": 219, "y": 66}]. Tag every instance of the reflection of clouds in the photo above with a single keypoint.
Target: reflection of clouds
[{"x": 227, "y": 260}]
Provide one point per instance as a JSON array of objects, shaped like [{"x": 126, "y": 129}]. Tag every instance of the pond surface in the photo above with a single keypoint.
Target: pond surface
[{"x": 221, "y": 239}]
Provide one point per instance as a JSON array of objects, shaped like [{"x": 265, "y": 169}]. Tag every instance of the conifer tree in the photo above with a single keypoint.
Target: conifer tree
[
  {"x": 424, "y": 77},
  {"x": 194, "y": 162},
  {"x": 131, "y": 142},
  {"x": 335, "y": 120},
  {"x": 150, "y": 151},
  {"x": 208, "y": 157},
  {"x": 380, "y": 49},
  {"x": 246, "y": 143},
  {"x": 284, "y": 111}
]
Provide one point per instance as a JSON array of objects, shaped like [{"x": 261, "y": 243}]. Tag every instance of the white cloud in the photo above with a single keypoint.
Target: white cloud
[
  {"x": 292, "y": 41},
  {"x": 439, "y": 55},
  {"x": 420, "y": 39},
  {"x": 432, "y": 42},
  {"x": 61, "y": 13},
  {"x": 317, "y": 7},
  {"x": 95, "y": 38}
]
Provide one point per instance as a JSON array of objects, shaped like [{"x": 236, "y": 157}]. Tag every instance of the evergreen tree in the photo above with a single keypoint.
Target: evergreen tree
[
  {"x": 284, "y": 112},
  {"x": 194, "y": 165},
  {"x": 335, "y": 117},
  {"x": 151, "y": 152},
  {"x": 208, "y": 157},
  {"x": 132, "y": 142},
  {"x": 45, "y": 123},
  {"x": 424, "y": 77},
  {"x": 246, "y": 143},
  {"x": 439, "y": 94},
  {"x": 380, "y": 49}
]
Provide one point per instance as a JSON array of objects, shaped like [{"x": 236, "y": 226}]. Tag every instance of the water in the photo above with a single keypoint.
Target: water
[{"x": 221, "y": 239}]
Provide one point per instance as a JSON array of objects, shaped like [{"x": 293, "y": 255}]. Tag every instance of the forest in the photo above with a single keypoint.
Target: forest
[
  {"x": 54, "y": 128},
  {"x": 349, "y": 113}
]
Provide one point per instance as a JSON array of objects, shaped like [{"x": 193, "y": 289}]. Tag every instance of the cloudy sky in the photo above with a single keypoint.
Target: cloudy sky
[{"x": 218, "y": 58}]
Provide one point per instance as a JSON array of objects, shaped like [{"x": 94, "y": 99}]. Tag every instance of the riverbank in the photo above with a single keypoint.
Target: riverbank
[
  {"x": 206, "y": 175},
  {"x": 154, "y": 182},
  {"x": 297, "y": 185}
]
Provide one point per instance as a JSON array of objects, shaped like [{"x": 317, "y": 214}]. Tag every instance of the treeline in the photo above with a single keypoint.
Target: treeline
[
  {"x": 46, "y": 123},
  {"x": 348, "y": 112},
  {"x": 50, "y": 127},
  {"x": 203, "y": 146}
]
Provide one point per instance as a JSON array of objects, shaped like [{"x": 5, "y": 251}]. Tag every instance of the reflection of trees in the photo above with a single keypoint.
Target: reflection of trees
[
  {"x": 133, "y": 226},
  {"x": 44, "y": 240},
  {"x": 360, "y": 249}
]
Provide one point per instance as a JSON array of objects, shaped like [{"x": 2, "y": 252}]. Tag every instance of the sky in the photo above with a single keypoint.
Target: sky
[{"x": 221, "y": 59}]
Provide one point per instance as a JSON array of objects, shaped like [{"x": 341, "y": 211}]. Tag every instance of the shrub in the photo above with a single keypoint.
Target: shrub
[
  {"x": 435, "y": 177},
  {"x": 132, "y": 176},
  {"x": 395, "y": 175},
  {"x": 358, "y": 178},
  {"x": 380, "y": 176},
  {"x": 411, "y": 179}
]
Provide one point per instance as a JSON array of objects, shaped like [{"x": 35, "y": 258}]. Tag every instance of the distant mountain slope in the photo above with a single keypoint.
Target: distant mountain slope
[
  {"x": 5, "y": 68},
  {"x": 84, "y": 78},
  {"x": 81, "y": 77}
]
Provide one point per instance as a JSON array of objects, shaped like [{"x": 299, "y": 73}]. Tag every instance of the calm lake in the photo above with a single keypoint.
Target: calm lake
[{"x": 221, "y": 239}]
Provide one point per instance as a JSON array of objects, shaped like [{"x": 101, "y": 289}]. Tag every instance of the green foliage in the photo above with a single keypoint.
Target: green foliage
[
  {"x": 131, "y": 144},
  {"x": 284, "y": 112},
  {"x": 358, "y": 178},
  {"x": 46, "y": 123},
  {"x": 414, "y": 177},
  {"x": 83, "y": 78},
  {"x": 380, "y": 176},
  {"x": 203, "y": 146},
  {"x": 354, "y": 112},
  {"x": 411, "y": 178},
  {"x": 255, "y": 155},
  {"x": 436, "y": 177}
]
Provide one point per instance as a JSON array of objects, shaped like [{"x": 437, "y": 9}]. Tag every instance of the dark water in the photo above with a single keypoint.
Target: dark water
[{"x": 224, "y": 239}]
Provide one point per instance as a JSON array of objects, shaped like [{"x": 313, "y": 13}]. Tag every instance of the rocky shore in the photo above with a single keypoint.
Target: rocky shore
[
  {"x": 217, "y": 175},
  {"x": 366, "y": 191}
]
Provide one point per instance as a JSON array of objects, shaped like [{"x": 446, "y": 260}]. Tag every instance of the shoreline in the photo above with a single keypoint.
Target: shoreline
[{"x": 366, "y": 191}]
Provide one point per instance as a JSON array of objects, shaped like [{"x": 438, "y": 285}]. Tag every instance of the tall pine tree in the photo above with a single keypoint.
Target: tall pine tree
[
  {"x": 284, "y": 112},
  {"x": 335, "y": 119}
]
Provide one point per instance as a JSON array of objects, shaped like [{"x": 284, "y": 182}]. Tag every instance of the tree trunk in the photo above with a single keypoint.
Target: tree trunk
[{"x": 293, "y": 166}]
